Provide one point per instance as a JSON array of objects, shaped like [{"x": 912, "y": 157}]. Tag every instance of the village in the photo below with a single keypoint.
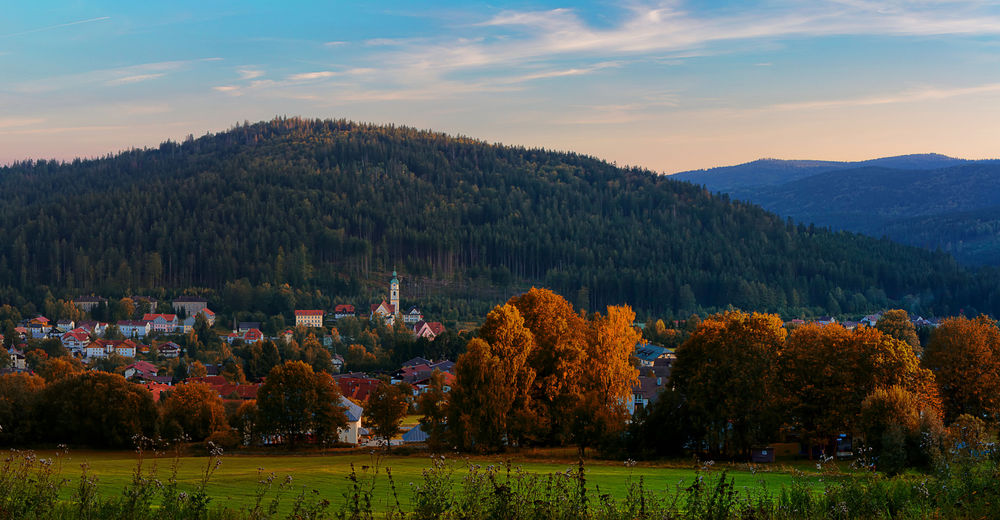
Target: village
[{"x": 149, "y": 349}]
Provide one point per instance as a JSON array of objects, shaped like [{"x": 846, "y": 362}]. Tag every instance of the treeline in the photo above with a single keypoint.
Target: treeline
[
  {"x": 742, "y": 381},
  {"x": 329, "y": 207}
]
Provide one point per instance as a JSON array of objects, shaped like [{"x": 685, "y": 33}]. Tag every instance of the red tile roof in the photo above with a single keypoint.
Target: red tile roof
[{"x": 308, "y": 313}]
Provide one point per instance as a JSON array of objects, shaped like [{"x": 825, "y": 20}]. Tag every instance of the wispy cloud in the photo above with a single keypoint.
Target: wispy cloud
[
  {"x": 111, "y": 77},
  {"x": 136, "y": 78},
  {"x": 306, "y": 76},
  {"x": 249, "y": 73},
  {"x": 10, "y": 122},
  {"x": 908, "y": 96},
  {"x": 57, "y": 26}
]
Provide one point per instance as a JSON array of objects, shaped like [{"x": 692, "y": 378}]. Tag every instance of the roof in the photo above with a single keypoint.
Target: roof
[
  {"x": 132, "y": 323},
  {"x": 189, "y": 299},
  {"x": 357, "y": 388},
  {"x": 89, "y": 299},
  {"x": 143, "y": 366},
  {"x": 414, "y": 310},
  {"x": 647, "y": 352},
  {"x": 308, "y": 313},
  {"x": 415, "y": 434},
  {"x": 351, "y": 410},
  {"x": 436, "y": 327},
  {"x": 167, "y": 317},
  {"x": 343, "y": 307},
  {"x": 416, "y": 361},
  {"x": 207, "y": 312}
]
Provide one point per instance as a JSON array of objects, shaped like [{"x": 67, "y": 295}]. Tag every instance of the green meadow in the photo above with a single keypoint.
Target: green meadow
[{"x": 235, "y": 481}]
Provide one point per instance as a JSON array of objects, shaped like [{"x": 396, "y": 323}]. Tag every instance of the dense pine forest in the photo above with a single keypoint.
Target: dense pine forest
[{"x": 330, "y": 207}]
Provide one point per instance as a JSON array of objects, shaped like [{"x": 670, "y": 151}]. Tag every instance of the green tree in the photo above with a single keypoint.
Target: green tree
[
  {"x": 97, "y": 409},
  {"x": 432, "y": 405},
  {"x": 294, "y": 402},
  {"x": 386, "y": 408}
]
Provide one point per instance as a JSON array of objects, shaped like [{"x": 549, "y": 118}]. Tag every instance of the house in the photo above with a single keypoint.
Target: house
[
  {"x": 244, "y": 326},
  {"x": 100, "y": 348},
  {"x": 344, "y": 311},
  {"x": 850, "y": 325},
  {"x": 162, "y": 322},
  {"x": 415, "y": 434},
  {"x": 384, "y": 311},
  {"x": 429, "y": 330},
  {"x": 65, "y": 325},
  {"x": 356, "y": 386},
  {"x": 190, "y": 304},
  {"x": 825, "y": 320},
  {"x": 75, "y": 340},
  {"x": 644, "y": 393},
  {"x": 93, "y": 327},
  {"x": 351, "y": 434},
  {"x": 413, "y": 316},
  {"x": 338, "y": 362},
  {"x": 169, "y": 350},
  {"x": 17, "y": 360},
  {"x": 145, "y": 302},
  {"x": 416, "y": 361},
  {"x": 157, "y": 388},
  {"x": 248, "y": 337},
  {"x": 209, "y": 315},
  {"x": 134, "y": 328},
  {"x": 88, "y": 303},
  {"x": 141, "y": 369},
  {"x": 647, "y": 354},
  {"x": 39, "y": 327},
  {"x": 308, "y": 318},
  {"x": 871, "y": 319},
  {"x": 227, "y": 390}
]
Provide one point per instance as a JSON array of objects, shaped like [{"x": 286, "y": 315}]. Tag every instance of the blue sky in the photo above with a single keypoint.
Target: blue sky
[{"x": 671, "y": 85}]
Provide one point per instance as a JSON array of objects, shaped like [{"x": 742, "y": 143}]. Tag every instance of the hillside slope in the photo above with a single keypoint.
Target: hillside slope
[
  {"x": 328, "y": 205},
  {"x": 929, "y": 201}
]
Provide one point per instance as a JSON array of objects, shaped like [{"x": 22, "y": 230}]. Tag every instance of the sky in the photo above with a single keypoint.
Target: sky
[{"x": 670, "y": 86}]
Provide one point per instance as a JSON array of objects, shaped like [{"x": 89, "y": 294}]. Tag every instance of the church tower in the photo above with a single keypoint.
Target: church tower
[{"x": 394, "y": 293}]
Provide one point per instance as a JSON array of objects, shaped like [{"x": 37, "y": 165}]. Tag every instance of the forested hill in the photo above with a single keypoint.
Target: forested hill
[
  {"x": 928, "y": 200},
  {"x": 330, "y": 207}
]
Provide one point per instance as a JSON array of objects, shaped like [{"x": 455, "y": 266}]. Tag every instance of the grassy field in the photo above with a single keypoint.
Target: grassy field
[{"x": 234, "y": 482}]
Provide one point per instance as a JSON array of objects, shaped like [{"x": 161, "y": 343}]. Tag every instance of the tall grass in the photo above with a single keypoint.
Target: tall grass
[{"x": 961, "y": 488}]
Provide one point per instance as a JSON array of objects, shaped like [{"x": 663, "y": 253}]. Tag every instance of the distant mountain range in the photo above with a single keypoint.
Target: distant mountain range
[{"x": 927, "y": 200}]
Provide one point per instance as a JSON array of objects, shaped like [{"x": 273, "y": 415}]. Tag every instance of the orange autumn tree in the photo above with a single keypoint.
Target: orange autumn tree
[
  {"x": 727, "y": 374},
  {"x": 828, "y": 372},
  {"x": 193, "y": 410},
  {"x": 559, "y": 360},
  {"x": 964, "y": 355},
  {"x": 608, "y": 384},
  {"x": 490, "y": 405},
  {"x": 539, "y": 373}
]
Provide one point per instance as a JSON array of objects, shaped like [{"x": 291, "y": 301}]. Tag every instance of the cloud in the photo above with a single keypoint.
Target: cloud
[
  {"x": 334, "y": 44},
  {"x": 10, "y": 122},
  {"x": 134, "y": 79},
  {"x": 306, "y": 76},
  {"x": 229, "y": 89},
  {"x": 57, "y": 26},
  {"x": 249, "y": 73},
  {"x": 909, "y": 96}
]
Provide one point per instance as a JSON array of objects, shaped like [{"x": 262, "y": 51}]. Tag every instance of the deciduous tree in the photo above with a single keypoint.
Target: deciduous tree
[
  {"x": 896, "y": 323},
  {"x": 386, "y": 408},
  {"x": 727, "y": 374},
  {"x": 195, "y": 409},
  {"x": 964, "y": 355},
  {"x": 294, "y": 402}
]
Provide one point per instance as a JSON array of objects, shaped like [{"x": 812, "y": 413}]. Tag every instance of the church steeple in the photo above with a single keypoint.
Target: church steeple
[{"x": 394, "y": 293}]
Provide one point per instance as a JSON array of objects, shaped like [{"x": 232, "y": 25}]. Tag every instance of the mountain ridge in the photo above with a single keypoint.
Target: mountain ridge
[{"x": 323, "y": 206}]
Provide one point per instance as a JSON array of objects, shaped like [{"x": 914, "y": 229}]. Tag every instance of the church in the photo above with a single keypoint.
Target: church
[{"x": 388, "y": 311}]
